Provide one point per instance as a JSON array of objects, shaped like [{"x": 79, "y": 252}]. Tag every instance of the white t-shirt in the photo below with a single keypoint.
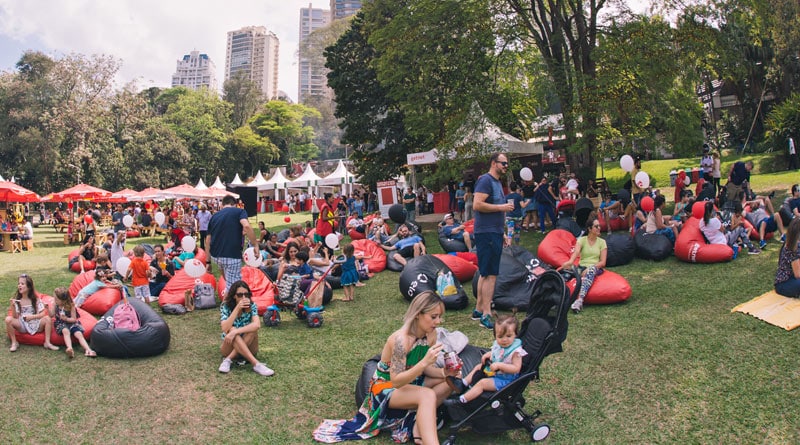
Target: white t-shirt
[
  {"x": 572, "y": 184},
  {"x": 711, "y": 231}
]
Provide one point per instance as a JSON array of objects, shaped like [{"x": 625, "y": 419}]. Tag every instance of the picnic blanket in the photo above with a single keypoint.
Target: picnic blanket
[{"x": 774, "y": 309}]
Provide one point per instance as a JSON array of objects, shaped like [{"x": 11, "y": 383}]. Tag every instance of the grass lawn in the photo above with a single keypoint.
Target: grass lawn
[{"x": 671, "y": 365}]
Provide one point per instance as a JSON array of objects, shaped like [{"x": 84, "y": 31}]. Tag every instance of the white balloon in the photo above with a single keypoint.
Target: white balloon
[
  {"x": 526, "y": 174},
  {"x": 122, "y": 265},
  {"x": 332, "y": 241},
  {"x": 194, "y": 268},
  {"x": 188, "y": 243},
  {"x": 687, "y": 180},
  {"x": 251, "y": 258},
  {"x": 160, "y": 218},
  {"x": 626, "y": 163},
  {"x": 127, "y": 220},
  {"x": 642, "y": 180}
]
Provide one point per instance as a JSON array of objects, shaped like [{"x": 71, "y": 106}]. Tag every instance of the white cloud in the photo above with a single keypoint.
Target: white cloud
[{"x": 148, "y": 35}]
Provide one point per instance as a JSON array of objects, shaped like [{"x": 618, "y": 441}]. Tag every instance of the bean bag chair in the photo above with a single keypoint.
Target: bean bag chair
[
  {"x": 152, "y": 337},
  {"x": 462, "y": 269},
  {"x": 691, "y": 247},
  {"x": 37, "y": 339},
  {"x": 651, "y": 246},
  {"x": 608, "y": 288},
  {"x": 174, "y": 290},
  {"x": 624, "y": 196},
  {"x": 568, "y": 224},
  {"x": 99, "y": 302},
  {"x": 355, "y": 234},
  {"x": 754, "y": 233},
  {"x": 470, "y": 355},
  {"x": 519, "y": 270},
  {"x": 87, "y": 265},
  {"x": 335, "y": 282},
  {"x": 583, "y": 208},
  {"x": 451, "y": 245},
  {"x": 469, "y": 226},
  {"x": 133, "y": 234},
  {"x": 377, "y": 256},
  {"x": 616, "y": 223},
  {"x": 270, "y": 271},
  {"x": 420, "y": 275},
  {"x": 621, "y": 249},
  {"x": 263, "y": 289},
  {"x": 472, "y": 257}
]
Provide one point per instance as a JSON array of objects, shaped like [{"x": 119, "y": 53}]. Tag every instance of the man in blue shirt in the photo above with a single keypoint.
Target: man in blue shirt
[
  {"x": 738, "y": 179},
  {"x": 489, "y": 204},
  {"x": 224, "y": 239}
]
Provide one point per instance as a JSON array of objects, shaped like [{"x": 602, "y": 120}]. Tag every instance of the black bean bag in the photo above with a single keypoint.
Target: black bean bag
[
  {"x": 624, "y": 196},
  {"x": 786, "y": 216},
  {"x": 583, "y": 208},
  {"x": 451, "y": 245},
  {"x": 283, "y": 235},
  {"x": 621, "y": 249},
  {"x": 519, "y": 270},
  {"x": 152, "y": 337},
  {"x": 470, "y": 355},
  {"x": 420, "y": 275},
  {"x": 569, "y": 224},
  {"x": 334, "y": 281},
  {"x": 651, "y": 246}
]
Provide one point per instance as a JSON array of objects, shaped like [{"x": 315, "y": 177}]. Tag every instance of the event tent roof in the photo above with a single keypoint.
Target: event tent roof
[
  {"x": 307, "y": 179},
  {"x": 277, "y": 181},
  {"x": 258, "y": 181},
  {"x": 339, "y": 176},
  {"x": 201, "y": 185},
  {"x": 237, "y": 180},
  {"x": 218, "y": 184}
]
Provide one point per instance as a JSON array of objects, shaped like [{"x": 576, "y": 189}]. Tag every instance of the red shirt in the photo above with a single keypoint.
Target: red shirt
[
  {"x": 325, "y": 220},
  {"x": 139, "y": 267}
]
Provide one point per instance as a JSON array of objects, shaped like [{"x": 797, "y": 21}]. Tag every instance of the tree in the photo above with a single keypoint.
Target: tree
[
  {"x": 245, "y": 97},
  {"x": 283, "y": 125}
]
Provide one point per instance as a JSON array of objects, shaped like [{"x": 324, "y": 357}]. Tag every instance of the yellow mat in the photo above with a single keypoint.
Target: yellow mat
[{"x": 774, "y": 309}]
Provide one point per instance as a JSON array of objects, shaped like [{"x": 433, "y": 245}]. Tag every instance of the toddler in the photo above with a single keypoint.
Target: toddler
[
  {"x": 349, "y": 277},
  {"x": 139, "y": 273},
  {"x": 68, "y": 323},
  {"x": 100, "y": 281}
]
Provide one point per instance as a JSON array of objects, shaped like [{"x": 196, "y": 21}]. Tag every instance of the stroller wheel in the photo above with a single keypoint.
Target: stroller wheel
[
  {"x": 315, "y": 320},
  {"x": 300, "y": 312},
  {"x": 540, "y": 433},
  {"x": 450, "y": 441},
  {"x": 272, "y": 317}
]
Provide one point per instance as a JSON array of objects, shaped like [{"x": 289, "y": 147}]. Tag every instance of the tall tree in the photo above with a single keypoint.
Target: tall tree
[
  {"x": 283, "y": 125},
  {"x": 245, "y": 97}
]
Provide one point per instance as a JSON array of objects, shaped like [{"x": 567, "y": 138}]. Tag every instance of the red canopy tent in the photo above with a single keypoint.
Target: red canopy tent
[
  {"x": 80, "y": 192},
  {"x": 10, "y": 192},
  {"x": 123, "y": 195}
]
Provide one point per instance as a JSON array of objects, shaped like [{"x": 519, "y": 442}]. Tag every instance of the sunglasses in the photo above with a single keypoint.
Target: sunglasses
[
  {"x": 244, "y": 294},
  {"x": 504, "y": 164},
  {"x": 595, "y": 226}
]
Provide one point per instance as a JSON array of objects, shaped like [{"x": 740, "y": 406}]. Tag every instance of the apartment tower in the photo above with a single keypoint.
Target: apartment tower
[
  {"x": 344, "y": 8},
  {"x": 253, "y": 51},
  {"x": 312, "y": 80},
  {"x": 195, "y": 70}
]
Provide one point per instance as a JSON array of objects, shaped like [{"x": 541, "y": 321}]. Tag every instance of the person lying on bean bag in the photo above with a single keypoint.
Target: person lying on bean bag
[
  {"x": 764, "y": 222},
  {"x": 455, "y": 231},
  {"x": 408, "y": 245},
  {"x": 592, "y": 251}
]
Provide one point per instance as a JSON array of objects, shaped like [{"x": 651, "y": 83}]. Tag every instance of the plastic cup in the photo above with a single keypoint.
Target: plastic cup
[{"x": 511, "y": 202}]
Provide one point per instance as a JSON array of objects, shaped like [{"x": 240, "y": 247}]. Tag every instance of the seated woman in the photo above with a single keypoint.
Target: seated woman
[
  {"x": 406, "y": 379},
  {"x": 377, "y": 231},
  {"x": 715, "y": 232},
  {"x": 593, "y": 252},
  {"x": 272, "y": 246},
  {"x": 787, "y": 277},
  {"x": 29, "y": 315},
  {"x": 660, "y": 224},
  {"x": 262, "y": 234},
  {"x": 87, "y": 252},
  {"x": 289, "y": 262},
  {"x": 611, "y": 209},
  {"x": 240, "y": 323}
]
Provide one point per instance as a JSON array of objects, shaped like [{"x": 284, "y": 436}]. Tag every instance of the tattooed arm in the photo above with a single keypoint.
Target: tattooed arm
[{"x": 399, "y": 374}]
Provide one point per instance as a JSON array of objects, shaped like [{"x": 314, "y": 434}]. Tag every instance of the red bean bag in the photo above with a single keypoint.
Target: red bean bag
[
  {"x": 690, "y": 246},
  {"x": 469, "y": 226},
  {"x": 99, "y": 302},
  {"x": 355, "y": 234},
  {"x": 616, "y": 223},
  {"x": 133, "y": 234},
  {"x": 264, "y": 290},
  {"x": 472, "y": 257},
  {"x": 608, "y": 288},
  {"x": 87, "y": 265},
  {"x": 377, "y": 262},
  {"x": 462, "y": 269},
  {"x": 173, "y": 291},
  {"x": 37, "y": 339}
]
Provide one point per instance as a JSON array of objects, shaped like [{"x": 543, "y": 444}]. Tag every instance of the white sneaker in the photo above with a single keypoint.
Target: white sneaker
[
  {"x": 261, "y": 369},
  {"x": 225, "y": 366}
]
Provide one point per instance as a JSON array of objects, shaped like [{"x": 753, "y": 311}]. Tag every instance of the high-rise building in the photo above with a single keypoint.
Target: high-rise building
[
  {"x": 195, "y": 70},
  {"x": 344, "y": 8},
  {"x": 253, "y": 51},
  {"x": 312, "y": 80}
]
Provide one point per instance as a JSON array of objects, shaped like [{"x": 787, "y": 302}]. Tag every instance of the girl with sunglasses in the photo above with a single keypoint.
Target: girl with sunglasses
[{"x": 240, "y": 324}]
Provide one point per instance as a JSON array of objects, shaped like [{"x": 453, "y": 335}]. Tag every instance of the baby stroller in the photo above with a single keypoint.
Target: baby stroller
[
  {"x": 305, "y": 305},
  {"x": 542, "y": 332}
]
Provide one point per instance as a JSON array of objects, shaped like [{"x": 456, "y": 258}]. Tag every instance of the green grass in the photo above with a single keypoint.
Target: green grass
[{"x": 671, "y": 365}]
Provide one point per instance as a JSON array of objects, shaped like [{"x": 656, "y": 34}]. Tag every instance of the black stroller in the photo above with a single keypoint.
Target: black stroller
[{"x": 542, "y": 332}]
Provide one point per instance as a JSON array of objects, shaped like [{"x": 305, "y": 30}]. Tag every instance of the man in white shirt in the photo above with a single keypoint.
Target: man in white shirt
[{"x": 792, "y": 155}]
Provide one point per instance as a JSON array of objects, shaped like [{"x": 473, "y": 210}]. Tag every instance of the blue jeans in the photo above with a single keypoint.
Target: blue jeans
[
  {"x": 544, "y": 210},
  {"x": 789, "y": 288}
]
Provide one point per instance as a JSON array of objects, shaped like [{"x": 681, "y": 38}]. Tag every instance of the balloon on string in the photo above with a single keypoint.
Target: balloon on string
[
  {"x": 127, "y": 220},
  {"x": 88, "y": 219},
  {"x": 526, "y": 174},
  {"x": 160, "y": 218},
  {"x": 194, "y": 268},
  {"x": 122, "y": 265},
  {"x": 251, "y": 258},
  {"x": 285, "y": 208},
  {"x": 332, "y": 240},
  {"x": 174, "y": 214},
  {"x": 647, "y": 204},
  {"x": 626, "y": 163},
  {"x": 687, "y": 180},
  {"x": 397, "y": 213},
  {"x": 642, "y": 180},
  {"x": 188, "y": 244},
  {"x": 287, "y": 219}
]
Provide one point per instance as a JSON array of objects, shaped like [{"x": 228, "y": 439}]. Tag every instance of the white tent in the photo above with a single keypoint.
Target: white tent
[
  {"x": 201, "y": 185},
  {"x": 277, "y": 181},
  {"x": 1, "y": 178},
  {"x": 258, "y": 181},
  {"x": 237, "y": 180},
  {"x": 218, "y": 184},
  {"x": 339, "y": 176},
  {"x": 307, "y": 179}
]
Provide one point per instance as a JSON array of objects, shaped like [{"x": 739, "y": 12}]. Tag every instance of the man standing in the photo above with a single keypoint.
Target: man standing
[
  {"x": 738, "y": 179},
  {"x": 325, "y": 222},
  {"x": 792, "y": 155},
  {"x": 224, "y": 239},
  {"x": 203, "y": 218},
  {"x": 410, "y": 201},
  {"x": 452, "y": 186},
  {"x": 490, "y": 205},
  {"x": 116, "y": 219}
]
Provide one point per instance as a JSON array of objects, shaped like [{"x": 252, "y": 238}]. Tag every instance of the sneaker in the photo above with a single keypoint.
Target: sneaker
[
  {"x": 261, "y": 369},
  {"x": 735, "y": 251},
  {"x": 456, "y": 384},
  {"x": 783, "y": 238},
  {"x": 753, "y": 250},
  {"x": 486, "y": 321},
  {"x": 225, "y": 366},
  {"x": 476, "y": 315},
  {"x": 762, "y": 244},
  {"x": 577, "y": 306}
]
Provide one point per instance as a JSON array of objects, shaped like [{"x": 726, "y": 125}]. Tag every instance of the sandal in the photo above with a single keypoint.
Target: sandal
[
  {"x": 90, "y": 353},
  {"x": 14, "y": 347},
  {"x": 51, "y": 347},
  {"x": 70, "y": 353}
]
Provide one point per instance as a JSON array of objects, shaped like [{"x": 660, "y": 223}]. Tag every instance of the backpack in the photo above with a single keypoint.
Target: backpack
[
  {"x": 446, "y": 284},
  {"x": 125, "y": 317},
  {"x": 204, "y": 297},
  {"x": 289, "y": 292}
]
